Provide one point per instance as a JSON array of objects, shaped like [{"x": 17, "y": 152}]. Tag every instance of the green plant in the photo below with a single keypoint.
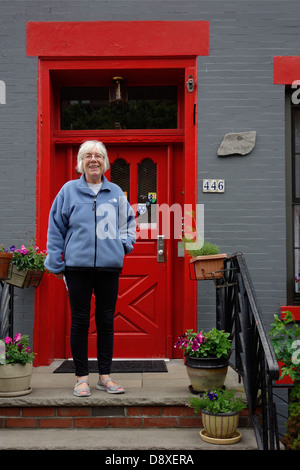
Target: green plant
[
  {"x": 217, "y": 401},
  {"x": 28, "y": 258},
  {"x": 198, "y": 249},
  {"x": 5, "y": 250},
  {"x": 285, "y": 339},
  {"x": 193, "y": 243},
  {"x": 17, "y": 350},
  {"x": 214, "y": 343}
]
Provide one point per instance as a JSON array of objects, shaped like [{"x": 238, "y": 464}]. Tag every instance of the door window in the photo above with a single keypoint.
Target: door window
[{"x": 148, "y": 107}]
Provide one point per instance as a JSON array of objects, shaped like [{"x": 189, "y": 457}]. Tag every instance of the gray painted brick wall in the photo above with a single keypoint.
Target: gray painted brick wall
[{"x": 235, "y": 93}]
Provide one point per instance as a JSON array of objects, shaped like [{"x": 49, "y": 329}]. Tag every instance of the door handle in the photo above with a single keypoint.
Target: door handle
[{"x": 160, "y": 248}]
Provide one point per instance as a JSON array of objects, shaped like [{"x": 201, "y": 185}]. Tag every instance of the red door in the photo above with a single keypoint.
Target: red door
[{"x": 141, "y": 319}]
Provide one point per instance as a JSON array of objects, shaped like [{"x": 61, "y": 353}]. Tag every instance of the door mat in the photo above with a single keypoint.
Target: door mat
[{"x": 117, "y": 367}]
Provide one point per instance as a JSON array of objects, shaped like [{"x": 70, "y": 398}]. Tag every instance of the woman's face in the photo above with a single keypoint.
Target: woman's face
[{"x": 93, "y": 166}]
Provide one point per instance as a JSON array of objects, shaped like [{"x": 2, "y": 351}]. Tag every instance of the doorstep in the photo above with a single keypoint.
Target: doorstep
[{"x": 151, "y": 400}]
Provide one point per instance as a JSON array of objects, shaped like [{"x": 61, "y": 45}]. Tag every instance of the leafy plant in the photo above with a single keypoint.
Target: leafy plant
[
  {"x": 285, "y": 338},
  {"x": 5, "y": 250},
  {"x": 204, "y": 249},
  {"x": 194, "y": 244},
  {"x": 17, "y": 350},
  {"x": 214, "y": 343},
  {"x": 217, "y": 401},
  {"x": 27, "y": 258}
]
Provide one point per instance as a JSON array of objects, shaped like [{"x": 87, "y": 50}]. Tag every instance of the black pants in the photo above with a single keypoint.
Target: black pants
[{"x": 81, "y": 285}]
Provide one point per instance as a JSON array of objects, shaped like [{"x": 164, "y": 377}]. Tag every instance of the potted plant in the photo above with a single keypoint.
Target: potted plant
[
  {"x": 206, "y": 357},
  {"x": 16, "y": 359},
  {"x": 285, "y": 338},
  {"x": 207, "y": 261},
  {"x": 220, "y": 415},
  {"x": 27, "y": 266},
  {"x": 5, "y": 259}
]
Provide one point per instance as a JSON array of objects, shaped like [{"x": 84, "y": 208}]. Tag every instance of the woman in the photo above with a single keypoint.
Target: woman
[{"x": 91, "y": 228}]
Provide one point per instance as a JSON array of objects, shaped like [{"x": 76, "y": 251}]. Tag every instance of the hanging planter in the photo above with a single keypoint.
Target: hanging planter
[
  {"x": 209, "y": 266},
  {"x": 24, "y": 277},
  {"x": 5, "y": 259},
  {"x": 207, "y": 262},
  {"x": 26, "y": 266}
]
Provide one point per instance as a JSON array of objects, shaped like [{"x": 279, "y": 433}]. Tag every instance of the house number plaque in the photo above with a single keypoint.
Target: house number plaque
[{"x": 213, "y": 186}]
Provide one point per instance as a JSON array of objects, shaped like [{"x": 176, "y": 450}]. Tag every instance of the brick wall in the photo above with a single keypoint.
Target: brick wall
[
  {"x": 235, "y": 93},
  {"x": 105, "y": 417}
]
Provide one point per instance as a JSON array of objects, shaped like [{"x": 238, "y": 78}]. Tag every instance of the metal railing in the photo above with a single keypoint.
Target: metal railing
[
  {"x": 6, "y": 310},
  {"x": 238, "y": 312}
]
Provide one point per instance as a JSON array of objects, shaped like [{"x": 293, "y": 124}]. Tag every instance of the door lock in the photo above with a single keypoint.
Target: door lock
[{"x": 160, "y": 248}]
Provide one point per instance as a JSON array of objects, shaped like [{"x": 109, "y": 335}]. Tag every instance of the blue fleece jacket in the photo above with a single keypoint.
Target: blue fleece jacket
[{"x": 88, "y": 230}]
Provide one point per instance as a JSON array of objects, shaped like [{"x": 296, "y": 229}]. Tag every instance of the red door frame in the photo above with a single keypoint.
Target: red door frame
[{"x": 124, "y": 45}]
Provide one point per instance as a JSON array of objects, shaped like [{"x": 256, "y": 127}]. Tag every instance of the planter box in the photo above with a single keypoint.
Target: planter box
[
  {"x": 207, "y": 267},
  {"x": 22, "y": 279},
  {"x": 5, "y": 259}
]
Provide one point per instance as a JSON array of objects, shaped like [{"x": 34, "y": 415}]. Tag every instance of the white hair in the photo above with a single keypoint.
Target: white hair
[{"x": 86, "y": 147}]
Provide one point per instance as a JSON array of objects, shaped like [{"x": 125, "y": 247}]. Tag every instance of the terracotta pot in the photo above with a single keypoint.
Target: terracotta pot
[
  {"x": 206, "y": 373},
  {"x": 208, "y": 267},
  {"x": 220, "y": 425},
  {"x": 5, "y": 259},
  {"x": 24, "y": 278},
  {"x": 15, "y": 379}
]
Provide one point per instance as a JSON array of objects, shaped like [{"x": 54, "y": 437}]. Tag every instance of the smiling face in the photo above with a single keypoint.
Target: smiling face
[{"x": 93, "y": 166}]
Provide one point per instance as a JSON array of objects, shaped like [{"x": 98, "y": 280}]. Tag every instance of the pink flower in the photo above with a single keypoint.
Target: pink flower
[
  {"x": 18, "y": 337},
  {"x": 23, "y": 250},
  {"x": 7, "y": 340},
  {"x": 200, "y": 337}
]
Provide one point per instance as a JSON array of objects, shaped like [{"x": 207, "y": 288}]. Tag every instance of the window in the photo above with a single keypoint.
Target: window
[
  {"x": 296, "y": 192},
  {"x": 148, "y": 107}
]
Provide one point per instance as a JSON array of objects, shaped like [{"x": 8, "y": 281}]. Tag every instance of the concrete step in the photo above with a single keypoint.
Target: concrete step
[{"x": 179, "y": 440}]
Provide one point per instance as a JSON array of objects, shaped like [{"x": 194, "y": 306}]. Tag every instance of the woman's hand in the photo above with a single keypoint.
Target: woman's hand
[{"x": 59, "y": 275}]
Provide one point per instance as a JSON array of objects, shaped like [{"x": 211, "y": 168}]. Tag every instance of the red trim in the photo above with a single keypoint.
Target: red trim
[
  {"x": 295, "y": 310},
  {"x": 118, "y": 38},
  {"x": 123, "y": 45},
  {"x": 286, "y": 70}
]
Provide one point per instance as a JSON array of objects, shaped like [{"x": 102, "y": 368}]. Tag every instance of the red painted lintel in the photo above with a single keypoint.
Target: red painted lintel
[
  {"x": 118, "y": 39},
  {"x": 286, "y": 70}
]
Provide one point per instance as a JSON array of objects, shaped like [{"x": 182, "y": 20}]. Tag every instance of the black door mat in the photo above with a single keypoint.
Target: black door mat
[{"x": 117, "y": 367}]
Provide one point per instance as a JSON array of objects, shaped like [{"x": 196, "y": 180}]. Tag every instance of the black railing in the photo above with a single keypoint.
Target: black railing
[
  {"x": 253, "y": 357},
  {"x": 6, "y": 310}
]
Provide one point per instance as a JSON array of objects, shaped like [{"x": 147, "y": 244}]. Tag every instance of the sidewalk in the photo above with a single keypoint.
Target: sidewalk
[{"x": 149, "y": 389}]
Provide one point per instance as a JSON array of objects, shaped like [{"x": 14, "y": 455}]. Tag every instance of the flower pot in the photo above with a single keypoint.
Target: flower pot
[
  {"x": 5, "y": 259},
  {"x": 15, "y": 379},
  {"x": 24, "y": 278},
  {"x": 206, "y": 373},
  {"x": 208, "y": 267},
  {"x": 220, "y": 425}
]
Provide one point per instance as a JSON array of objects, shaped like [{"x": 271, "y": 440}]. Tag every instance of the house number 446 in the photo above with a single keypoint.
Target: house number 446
[{"x": 213, "y": 186}]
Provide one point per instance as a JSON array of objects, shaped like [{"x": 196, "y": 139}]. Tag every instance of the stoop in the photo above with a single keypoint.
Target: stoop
[{"x": 152, "y": 412}]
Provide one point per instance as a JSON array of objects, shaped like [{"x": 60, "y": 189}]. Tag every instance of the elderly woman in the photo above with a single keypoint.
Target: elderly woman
[{"x": 91, "y": 228}]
